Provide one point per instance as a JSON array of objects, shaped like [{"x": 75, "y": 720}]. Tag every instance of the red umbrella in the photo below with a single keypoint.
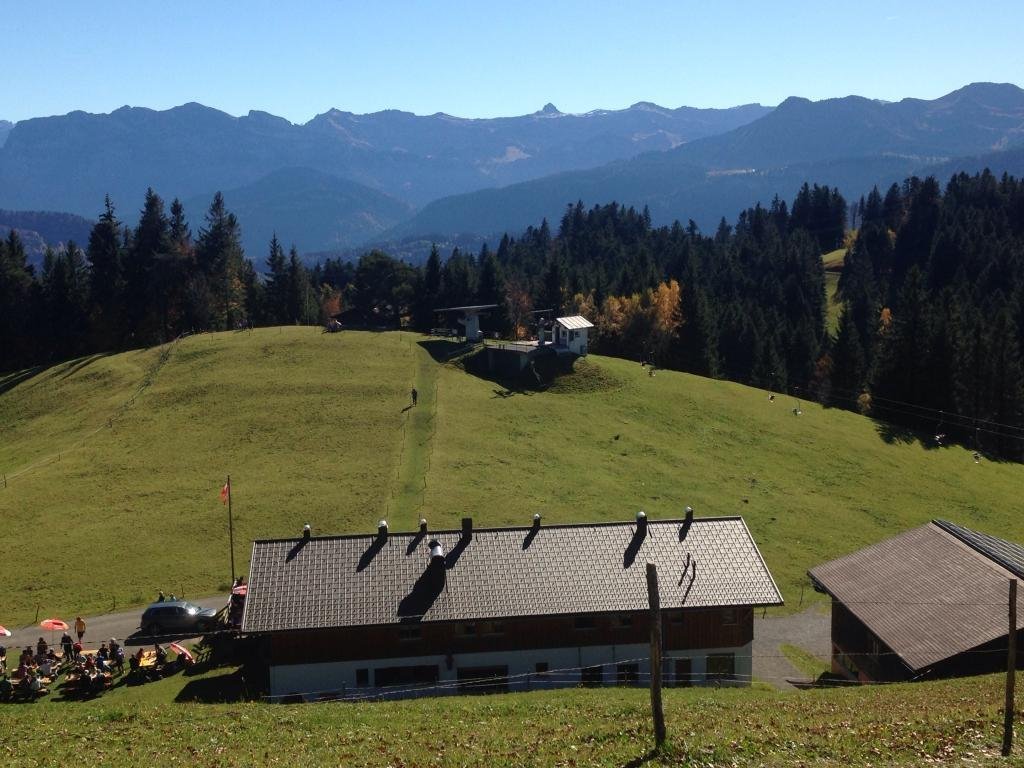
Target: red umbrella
[
  {"x": 54, "y": 625},
  {"x": 5, "y": 632},
  {"x": 241, "y": 589},
  {"x": 181, "y": 651}
]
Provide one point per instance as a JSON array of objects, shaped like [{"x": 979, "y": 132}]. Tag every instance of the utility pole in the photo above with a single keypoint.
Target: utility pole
[
  {"x": 1011, "y": 670},
  {"x": 654, "y": 598}
]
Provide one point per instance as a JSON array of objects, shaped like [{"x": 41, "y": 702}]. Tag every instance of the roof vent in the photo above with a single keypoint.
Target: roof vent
[
  {"x": 689, "y": 515},
  {"x": 382, "y": 528},
  {"x": 536, "y": 520},
  {"x": 436, "y": 552},
  {"x": 467, "y": 527},
  {"x": 306, "y": 531},
  {"x": 641, "y": 521},
  {"x": 423, "y": 525}
]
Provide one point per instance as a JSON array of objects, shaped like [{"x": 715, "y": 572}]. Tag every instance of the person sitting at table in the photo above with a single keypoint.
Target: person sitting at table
[
  {"x": 134, "y": 663},
  {"x": 3, "y": 660},
  {"x": 161, "y": 655},
  {"x": 35, "y": 686},
  {"x": 90, "y": 664},
  {"x": 41, "y": 647},
  {"x": 76, "y": 652},
  {"x": 48, "y": 667},
  {"x": 103, "y": 652},
  {"x": 6, "y": 688}
]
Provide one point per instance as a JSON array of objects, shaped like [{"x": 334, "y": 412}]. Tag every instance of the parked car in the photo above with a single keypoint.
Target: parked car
[{"x": 177, "y": 617}]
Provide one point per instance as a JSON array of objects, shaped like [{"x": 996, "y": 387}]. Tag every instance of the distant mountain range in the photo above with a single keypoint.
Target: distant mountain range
[
  {"x": 5, "y": 128},
  {"x": 852, "y": 142},
  {"x": 70, "y": 162},
  {"x": 344, "y": 181}
]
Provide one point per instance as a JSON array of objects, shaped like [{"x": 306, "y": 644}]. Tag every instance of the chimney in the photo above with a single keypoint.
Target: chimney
[
  {"x": 536, "y": 520},
  {"x": 436, "y": 552},
  {"x": 467, "y": 527},
  {"x": 641, "y": 523},
  {"x": 382, "y": 529},
  {"x": 306, "y": 532},
  {"x": 689, "y": 515},
  {"x": 423, "y": 525}
]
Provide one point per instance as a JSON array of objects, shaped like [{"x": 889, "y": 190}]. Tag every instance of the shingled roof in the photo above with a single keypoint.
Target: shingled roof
[
  {"x": 930, "y": 593},
  {"x": 342, "y": 581}
]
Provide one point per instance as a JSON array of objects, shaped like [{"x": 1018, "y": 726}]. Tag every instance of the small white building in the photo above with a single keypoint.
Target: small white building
[{"x": 572, "y": 332}]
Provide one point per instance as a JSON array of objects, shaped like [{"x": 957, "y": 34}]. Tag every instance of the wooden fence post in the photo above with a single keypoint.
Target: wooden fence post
[
  {"x": 1011, "y": 670},
  {"x": 654, "y": 598}
]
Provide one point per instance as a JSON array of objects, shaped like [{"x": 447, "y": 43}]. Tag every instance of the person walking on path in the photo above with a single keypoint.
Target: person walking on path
[
  {"x": 79, "y": 627},
  {"x": 415, "y": 395}
]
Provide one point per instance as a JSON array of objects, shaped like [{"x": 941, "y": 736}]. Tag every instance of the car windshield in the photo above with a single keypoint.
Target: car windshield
[{"x": 192, "y": 610}]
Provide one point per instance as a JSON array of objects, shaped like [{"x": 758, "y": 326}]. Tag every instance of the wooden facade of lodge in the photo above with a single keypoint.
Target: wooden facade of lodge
[{"x": 431, "y": 613}]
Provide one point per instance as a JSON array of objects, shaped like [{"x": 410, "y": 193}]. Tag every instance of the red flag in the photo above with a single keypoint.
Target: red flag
[{"x": 225, "y": 492}]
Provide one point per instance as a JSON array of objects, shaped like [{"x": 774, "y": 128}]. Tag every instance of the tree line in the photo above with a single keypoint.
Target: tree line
[
  {"x": 932, "y": 294},
  {"x": 933, "y": 312},
  {"x": 143, "y": 285}
]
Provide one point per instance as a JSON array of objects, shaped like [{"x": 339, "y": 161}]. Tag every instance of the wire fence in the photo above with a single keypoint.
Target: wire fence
[{"x": 610, "y": 674}]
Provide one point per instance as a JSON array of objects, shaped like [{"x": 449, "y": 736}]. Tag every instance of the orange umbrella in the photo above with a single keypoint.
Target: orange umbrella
[
  {"x": 54, "y": 625},
  {"x": 4, "y": 631}
]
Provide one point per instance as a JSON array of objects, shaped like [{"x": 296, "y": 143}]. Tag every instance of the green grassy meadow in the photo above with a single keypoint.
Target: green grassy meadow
[
  {"x": 956, "y": 721},
  {"x": 314, "y": 428}
]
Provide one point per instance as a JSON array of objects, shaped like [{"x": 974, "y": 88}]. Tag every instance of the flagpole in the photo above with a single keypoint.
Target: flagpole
[{"x": 231, "y": 534}]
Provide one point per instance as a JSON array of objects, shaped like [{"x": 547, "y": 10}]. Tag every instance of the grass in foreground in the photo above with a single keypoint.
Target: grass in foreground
[
  {"x": 311, "y": 428},
  {"x": 914, "y": 724}
]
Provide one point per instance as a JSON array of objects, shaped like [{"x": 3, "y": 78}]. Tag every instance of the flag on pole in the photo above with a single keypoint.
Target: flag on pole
[{"x": 225, "y": 493}]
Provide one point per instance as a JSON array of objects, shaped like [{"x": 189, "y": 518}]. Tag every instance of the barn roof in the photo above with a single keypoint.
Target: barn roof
[
  {"x": 930, "y": 593},
  {"x": 341, "y": 581},
  {"x": 574, "y": 322}
]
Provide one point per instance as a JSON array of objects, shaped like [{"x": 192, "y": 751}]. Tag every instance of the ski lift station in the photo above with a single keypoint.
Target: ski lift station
[{"x": 563, "y": 339}]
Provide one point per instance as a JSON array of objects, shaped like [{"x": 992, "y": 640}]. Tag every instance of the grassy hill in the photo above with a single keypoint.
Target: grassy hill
[
  {"x": 314, "y": 428},
  {"x": 955, "y": 721}
]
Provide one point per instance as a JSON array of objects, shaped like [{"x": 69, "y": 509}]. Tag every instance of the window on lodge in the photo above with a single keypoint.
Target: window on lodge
[
  {"x": 585, "y": 622},
  {"x": 409, "y": 633},
  {"x": 627, "y": 674},
  {"x": 362, "y": 678},
  {"x": 721, "y": 666},
  {"x": 413, "y": 675}
]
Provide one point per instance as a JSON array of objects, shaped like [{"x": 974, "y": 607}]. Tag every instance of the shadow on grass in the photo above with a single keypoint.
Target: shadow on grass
[
  {"x": 636, "y": 762},
  {"x": 444, "y": 351},
  {"x": 11, "y": 380},
  {"x": 219, "y": 689},
  {"x": 75, "y": 366}
]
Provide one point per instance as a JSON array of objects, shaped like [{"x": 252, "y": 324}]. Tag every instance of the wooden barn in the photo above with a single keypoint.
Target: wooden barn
[
  {"x": 931, "y": 602},
  {"x": 498, "y": 609}
]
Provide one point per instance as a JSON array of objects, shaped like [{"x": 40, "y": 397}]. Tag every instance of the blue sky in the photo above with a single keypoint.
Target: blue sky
[{"x": 482, "y": 59}]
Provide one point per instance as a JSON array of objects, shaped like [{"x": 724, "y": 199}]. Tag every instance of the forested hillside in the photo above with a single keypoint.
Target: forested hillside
[{"x": 932, "y": 292}]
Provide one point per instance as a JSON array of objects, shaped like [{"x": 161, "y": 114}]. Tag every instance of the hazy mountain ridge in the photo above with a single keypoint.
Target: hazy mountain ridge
[
  {"x": 5, "y": 128},
  {"x": 305, "y": 207},
  {"x": 852, "y": 142},
  {"x": 38, "y": 229},
  {"x": 70, "y": 162}
]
